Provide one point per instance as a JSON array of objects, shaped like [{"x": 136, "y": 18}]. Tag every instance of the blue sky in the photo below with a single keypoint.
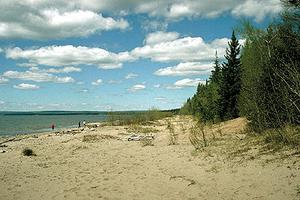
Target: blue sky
[{"x": 113, "y": 54}]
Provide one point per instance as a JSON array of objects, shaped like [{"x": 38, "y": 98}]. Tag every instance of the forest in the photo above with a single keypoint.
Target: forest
[{"x": 259, "y": 80}]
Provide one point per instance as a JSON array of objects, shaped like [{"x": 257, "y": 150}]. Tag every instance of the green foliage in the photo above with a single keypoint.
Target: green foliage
[
  {"x": 286, "y": 136},
  {"x": 262, "y": 85},
  {"x": 218, "y": 98},
  {"x": 204, "y": 104},
  {"x": 271, "y": 75},
  {"x": 231, "y": 81}
]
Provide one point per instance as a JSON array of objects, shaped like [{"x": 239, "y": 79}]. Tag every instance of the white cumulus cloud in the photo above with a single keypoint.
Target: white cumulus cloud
[
  {"x": 37, "y": 77},
  {"x": 40, "y": 19},
  {"x": 137, "y": 87},
  {"x": 258, "y": 9},
  {"x": 37, "y": 20},
  {"x": 185, "y": 69},
  {"x": 26, "y": 86},
  {"x": 131, "y": 76},
  {"x": 187, "y": 82},
  {"x": 159, "y": 37},
  {"x": 70, "y": 55},
  {"x": 187, "y": 49},
  {"x": 56, "y": 70}
]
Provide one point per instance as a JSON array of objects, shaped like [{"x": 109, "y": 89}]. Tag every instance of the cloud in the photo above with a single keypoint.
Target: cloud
[
  {"x": 97, "y": 82},
  {"x": 26, "y": 64},
  {"x": 185, "y": 69},
  {"x": 187, "y": 49},
  {"x": 63, "y": 70},
  {"x": 3, "y": 80},
  {"x": 25, "y": 86},
  {"x": 37, "y": 21},
  {"x": 131, "y": 75},
  {"x": 187, "y": 82},
  {"x": 56, "y": 70},
  {"x": 70, "y": 55},
  {"x": 154, "y": 25},
  {"x": 37, "y": 77},
  {"x": 178, "y": 9},
  {"x": 258, "y": 9},
  {"x": 159, "y": 37},
  {"x": 137, "y": 87},
  {"x": 114, "y": 81}
]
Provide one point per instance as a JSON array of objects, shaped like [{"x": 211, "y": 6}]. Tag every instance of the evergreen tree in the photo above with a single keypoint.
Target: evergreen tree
[
  {"x": 231, "y": 81},
  {"x": 216, "y": 74}
]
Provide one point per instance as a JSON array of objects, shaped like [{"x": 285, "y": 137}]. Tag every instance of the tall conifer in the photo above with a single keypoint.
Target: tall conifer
[{"x": 231, "y": 81}]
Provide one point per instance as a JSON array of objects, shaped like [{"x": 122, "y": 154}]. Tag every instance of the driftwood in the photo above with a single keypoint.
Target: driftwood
[{"x": 11, "y": 140}]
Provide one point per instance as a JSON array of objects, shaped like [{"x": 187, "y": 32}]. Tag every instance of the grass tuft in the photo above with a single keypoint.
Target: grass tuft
[
  {"x": 173, "y": 137},
  {"x": 141, "y": 118},
  {"x": 287, "y": 136},
  {"x": 147, "y": 142},
  {"x": 28, "y": 152}
]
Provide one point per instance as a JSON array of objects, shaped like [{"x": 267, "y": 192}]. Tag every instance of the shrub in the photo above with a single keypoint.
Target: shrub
[
  {"x": 173, "y": 138},
  {"x": 288, "y": 136},
  {"x": 197, "y": 136},
  {"x": 28, "y": 152}
]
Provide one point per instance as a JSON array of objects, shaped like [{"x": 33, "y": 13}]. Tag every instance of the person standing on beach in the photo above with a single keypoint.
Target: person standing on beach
[
  {"x": 79, "y": 124},
  {"x": 52, "y": 126}
]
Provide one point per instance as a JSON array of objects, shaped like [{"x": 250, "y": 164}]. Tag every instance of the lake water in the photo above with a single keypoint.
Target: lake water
[{"x": 33, "y": 122}]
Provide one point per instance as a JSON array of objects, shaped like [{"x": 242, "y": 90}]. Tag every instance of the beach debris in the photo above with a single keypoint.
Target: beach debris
[
  {"x": 93, "y": 125},
  {"x": 11, "y": 140},
  {"x": 136, "y": 137},
  {"x": 3, "y": 145},
  {"x": 2, "y": 151}
]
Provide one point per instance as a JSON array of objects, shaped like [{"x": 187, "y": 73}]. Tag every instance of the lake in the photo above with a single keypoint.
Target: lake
[{"x": 12, "y": 123}]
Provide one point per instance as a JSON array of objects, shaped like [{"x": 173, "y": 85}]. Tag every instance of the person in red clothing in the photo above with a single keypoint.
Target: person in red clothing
[{"x": 52, "y": 126}]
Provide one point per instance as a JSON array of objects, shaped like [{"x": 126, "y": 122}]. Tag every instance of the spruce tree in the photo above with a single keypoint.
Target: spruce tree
[
  {"x": 216, "y": 72},
  {"x": 231, "y": 81}
]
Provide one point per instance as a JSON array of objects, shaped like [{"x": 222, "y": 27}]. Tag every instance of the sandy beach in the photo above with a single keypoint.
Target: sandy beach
[{"x": 100, "y": 163}]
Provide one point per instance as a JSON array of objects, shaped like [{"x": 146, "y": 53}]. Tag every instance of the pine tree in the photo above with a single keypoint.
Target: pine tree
[
  {"x": 231, "y": 81},
  {"x": 216, "y": 72}
]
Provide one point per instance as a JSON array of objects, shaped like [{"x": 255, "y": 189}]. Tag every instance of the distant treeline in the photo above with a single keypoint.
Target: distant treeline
[
  {"x": 260, "y": 80},
  {"x": 121, "y": 113},
  {"x": 54, "y": 113}
]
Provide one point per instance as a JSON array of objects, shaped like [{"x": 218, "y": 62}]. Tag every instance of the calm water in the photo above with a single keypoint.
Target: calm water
[{"x": 23, "y": 123}]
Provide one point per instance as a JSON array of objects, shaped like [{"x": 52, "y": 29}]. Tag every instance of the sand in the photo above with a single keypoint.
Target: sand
[{"x": 99, "y": 163}]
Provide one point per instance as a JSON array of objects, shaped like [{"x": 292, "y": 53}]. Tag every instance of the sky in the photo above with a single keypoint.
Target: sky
[{"x": 114, "y": 54}]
